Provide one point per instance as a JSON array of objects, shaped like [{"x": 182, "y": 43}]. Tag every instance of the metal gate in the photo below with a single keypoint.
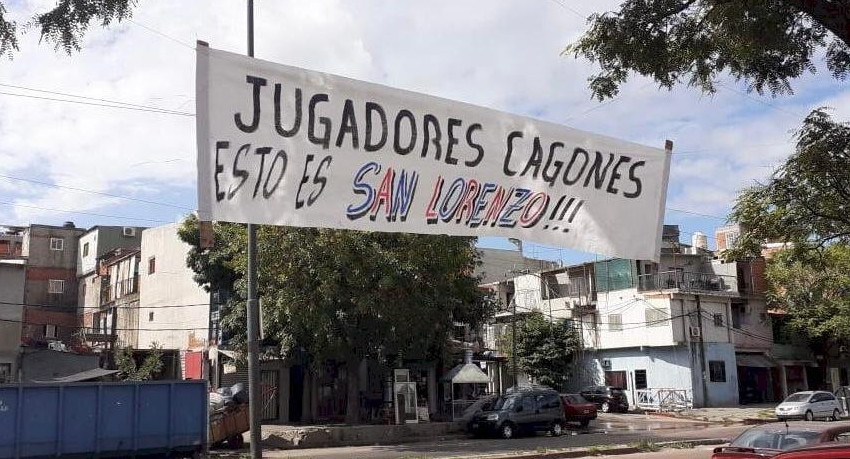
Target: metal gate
[{"x": 269, "y": 384}]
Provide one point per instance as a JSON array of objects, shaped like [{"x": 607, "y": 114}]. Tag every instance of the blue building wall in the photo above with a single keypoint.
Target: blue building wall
[{"x": 677, "y": 367}]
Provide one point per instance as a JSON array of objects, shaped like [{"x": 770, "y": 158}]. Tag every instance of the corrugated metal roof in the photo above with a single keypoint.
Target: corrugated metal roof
[{"x": 94, "y": 373}]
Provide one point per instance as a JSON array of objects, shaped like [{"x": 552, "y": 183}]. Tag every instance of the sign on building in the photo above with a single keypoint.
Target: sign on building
[{"x": 282, "y": 145}]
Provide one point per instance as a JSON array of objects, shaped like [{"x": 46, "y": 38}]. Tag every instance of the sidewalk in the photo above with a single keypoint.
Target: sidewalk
[
  {"x": 323, "y": 436},
  {"x": 745, "y": 414}
]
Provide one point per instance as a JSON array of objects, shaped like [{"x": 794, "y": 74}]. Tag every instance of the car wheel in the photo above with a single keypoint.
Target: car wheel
[
  {"x": 557, "y": 429},
  {"x": 810, "y": 416},
  {"x": 507, "y": 431},
  {"x": 584, "y": 423},
  {"x": 606, "y": 408},
  {"x": 836, "y": 415}
]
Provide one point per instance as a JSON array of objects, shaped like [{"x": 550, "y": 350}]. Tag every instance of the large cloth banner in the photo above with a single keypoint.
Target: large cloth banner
[{"x": 281, "y": 145}]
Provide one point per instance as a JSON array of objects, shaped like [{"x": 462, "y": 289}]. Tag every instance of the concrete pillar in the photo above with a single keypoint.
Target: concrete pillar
[
  {"x": 783, "y": 381},
  {"x": 805, "y": 379}
]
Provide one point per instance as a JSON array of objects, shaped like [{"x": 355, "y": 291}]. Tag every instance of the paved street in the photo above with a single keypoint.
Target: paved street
[
  {"x": 700, "y": 452},
  {"x": 614, "y": 429}
]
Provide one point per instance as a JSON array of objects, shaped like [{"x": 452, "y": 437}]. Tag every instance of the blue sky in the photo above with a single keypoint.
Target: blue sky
[{"x": 499, "y": 54}]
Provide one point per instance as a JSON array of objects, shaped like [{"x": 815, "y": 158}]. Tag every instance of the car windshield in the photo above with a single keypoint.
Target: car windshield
[
  {"x": 781, "y": 440},
  {"x": 616, "y": 391},
  {"x": 504, "y": 403},
  {"x": 578, "y": 399},
  {"x": 798, "y": 397}
]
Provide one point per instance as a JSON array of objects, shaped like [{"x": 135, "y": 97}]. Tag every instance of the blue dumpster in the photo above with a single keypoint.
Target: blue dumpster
[{"x": 103, "y": 419}]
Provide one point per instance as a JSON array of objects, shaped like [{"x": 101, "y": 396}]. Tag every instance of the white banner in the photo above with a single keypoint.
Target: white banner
[{"x": 281, "y": 145}]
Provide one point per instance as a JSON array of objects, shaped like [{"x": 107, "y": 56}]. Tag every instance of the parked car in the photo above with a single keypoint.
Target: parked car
[
  {"x": 484, "y": 403},
  {"x": 578, "y": 409},
  {"x": 825, "y": 451},
  {"x": 607, "y": 398},
  {"x": 843, "y": 396},
  {"x": 769, "y": 440},
  {"x": 810, "y": 405},
  {"x": 521, "y": 411}
]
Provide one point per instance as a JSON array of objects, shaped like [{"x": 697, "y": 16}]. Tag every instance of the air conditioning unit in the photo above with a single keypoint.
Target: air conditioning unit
[
  {"x": 694, "y": 332},
  {"x": 606, "y": 364},
  {"x": 129, "y": 231}
]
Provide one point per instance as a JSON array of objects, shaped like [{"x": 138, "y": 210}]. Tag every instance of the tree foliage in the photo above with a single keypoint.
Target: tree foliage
[
  {"x": 766, "y": 43},
  {"x": 814, "y": 294},
  {"x": 346, "y": 295},
  {"x": 65, "y": 24},
  {"x": 806, "y": 202},
  {"x": 130, "y": 370},
  {"x": 546, "y": 350}
]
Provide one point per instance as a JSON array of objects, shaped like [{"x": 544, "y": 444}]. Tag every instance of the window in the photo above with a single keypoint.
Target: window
[
  {"x": 55, "y": 286},
  {"x": 50, "y": 331},
  {"x": 548, "y": 401},
  {"x": 640, "y": 379},
  {"x": 615, "y": 322},
  {"x": 528, "y": 404},
  {"x": 150, "y": 316},
  {"x": 5, "y": 373},
  {"x": 718, "y": 320},
  {"x": 86, "y": 249},
  {"x": 151, "y": 265},
  {"x": 656, "y": 317},
  {"x": 57, "y": 243},
  {"x": 717, "y": 370}
]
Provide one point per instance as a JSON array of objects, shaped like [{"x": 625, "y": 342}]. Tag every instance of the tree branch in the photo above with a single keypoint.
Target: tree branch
[{"x": 832, "y": 14}]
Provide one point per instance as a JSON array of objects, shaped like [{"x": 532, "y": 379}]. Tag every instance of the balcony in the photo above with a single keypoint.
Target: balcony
[
  {"x": 585, "y": 297},
  {"x": 687, "y": 282},
  {"x": 119, "y": 289}
]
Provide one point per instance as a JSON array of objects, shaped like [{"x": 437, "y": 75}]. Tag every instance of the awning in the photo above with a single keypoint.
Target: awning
[
  {"x": 754, "y": 360},
  {"x": 94, "y": 373},
  {"x": 467, "y": 373}
]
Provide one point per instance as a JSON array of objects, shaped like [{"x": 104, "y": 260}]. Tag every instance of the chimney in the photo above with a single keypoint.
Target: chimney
[
  {"x": 467, "y": 355},
  {"x": 69, "y": 225}
]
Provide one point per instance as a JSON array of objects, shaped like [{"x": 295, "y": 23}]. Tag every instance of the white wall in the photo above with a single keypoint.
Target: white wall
[
  {"x": 87, "y": 263},
  {"x": 631, "y": 307},
  {"x": 183, "y": 324}
]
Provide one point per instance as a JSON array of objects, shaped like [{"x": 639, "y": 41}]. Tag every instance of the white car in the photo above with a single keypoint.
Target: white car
[{"x": 810, "y": 405}]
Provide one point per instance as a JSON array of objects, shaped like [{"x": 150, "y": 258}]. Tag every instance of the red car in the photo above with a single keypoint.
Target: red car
[
  {"x": 578, "y": 409},
  {"x": 829, "y": 451},
  {"x": 769, "y": 440}
]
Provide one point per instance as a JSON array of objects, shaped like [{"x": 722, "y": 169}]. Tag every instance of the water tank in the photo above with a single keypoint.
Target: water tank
[{"x": 699, "y": 240}]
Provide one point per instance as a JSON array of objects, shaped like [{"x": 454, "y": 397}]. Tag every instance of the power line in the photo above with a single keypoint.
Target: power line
[
  {"x": 77, "y": 327},
  {"x": 607, "y": 102},
  {"x": 99, "y": 193},
  {"x": 45, "y": 91},
  {"x": 570, "y": 9},
  {"x": 69, "y": 310},
  {"x": 161, "y": 34},
  {"x": 80, "y": 212},
  {"x": 763, "y": 102},
  {"x": 123, "y": 107},
  {"x": 696, "y": 213}
]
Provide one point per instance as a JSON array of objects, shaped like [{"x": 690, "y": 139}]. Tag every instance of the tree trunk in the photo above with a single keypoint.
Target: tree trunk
[{"x": 352, "y": 410}]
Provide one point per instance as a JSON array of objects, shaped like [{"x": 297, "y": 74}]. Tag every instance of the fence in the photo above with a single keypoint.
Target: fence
[
  {"x": 688, "y": 282},
  {"x": 664, "y": 399}
]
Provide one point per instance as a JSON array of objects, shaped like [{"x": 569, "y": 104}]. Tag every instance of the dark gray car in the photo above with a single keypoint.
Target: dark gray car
[{"x": 522, "y": 411}]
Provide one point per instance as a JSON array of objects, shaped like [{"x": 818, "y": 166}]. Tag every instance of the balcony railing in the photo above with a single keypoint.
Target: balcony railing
[
  {"x": 117, "y": 290},
  {"x": 575, "y": 290},
  {"x": 95, "y": 335},
  {"x": 688, "y": 282}
]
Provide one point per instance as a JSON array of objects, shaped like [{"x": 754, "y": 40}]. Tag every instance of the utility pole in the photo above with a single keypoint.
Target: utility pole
[
  {"x": 513, "y": 343},
  {"x": 701, "y": 354},
  {"x": 253, "y": 313}
]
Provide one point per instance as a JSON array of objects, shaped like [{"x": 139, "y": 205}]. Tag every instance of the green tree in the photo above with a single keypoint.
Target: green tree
[
  {"x": 813, "y": 290},
  {"x": 546, "y": 350},
  {"x": 65, "y": 24},
  {"x": 806, "y": 203},
  {"x": 129, "y": 369},
  {"x": 766, "y": 43},
  {"x": 347, "y": 296}
]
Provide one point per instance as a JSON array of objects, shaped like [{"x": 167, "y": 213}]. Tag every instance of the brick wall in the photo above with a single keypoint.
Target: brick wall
[{"x": 35, "y": 320}]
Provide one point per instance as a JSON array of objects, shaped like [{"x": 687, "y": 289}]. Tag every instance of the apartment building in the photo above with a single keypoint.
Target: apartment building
[{"x": 690, "y": 323}]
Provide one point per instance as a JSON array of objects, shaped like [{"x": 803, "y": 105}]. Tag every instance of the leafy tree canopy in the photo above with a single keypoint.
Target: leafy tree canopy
[
  {"x": 130, "y": 370},
  {"x": 766, "y": 43},
  {"x": 806, "y": 202},
  {"x": 546, "y": 350},
  {"x": 814, "y": 294},
  {"x": 65, "y": 24}
]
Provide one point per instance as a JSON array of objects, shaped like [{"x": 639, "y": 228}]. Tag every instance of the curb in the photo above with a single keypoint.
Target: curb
[{"x": 615, "y": 450}]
